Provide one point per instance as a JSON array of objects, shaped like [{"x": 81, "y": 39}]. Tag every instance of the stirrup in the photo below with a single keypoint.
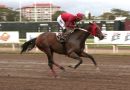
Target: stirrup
[{"x": 62, "y": 40}]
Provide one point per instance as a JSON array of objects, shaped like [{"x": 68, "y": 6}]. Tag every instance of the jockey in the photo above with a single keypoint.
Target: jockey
[{"x": 68, "y": 21}]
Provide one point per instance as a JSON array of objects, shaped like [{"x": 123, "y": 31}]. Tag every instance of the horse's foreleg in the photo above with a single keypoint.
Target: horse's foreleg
[
  {"x": 75, "y": 56},
  {"x": 62, "y": 68},
  {"x": 84, "y": 54}
]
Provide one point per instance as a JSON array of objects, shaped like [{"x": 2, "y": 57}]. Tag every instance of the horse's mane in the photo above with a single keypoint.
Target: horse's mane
[
  {"x": 78, "y": 29},
  {"x": 75, "y": 30},
  {"x": 81, "y": 26}
]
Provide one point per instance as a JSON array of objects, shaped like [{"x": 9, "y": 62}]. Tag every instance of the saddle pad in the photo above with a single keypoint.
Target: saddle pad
[{"x": 58, "y": 35}]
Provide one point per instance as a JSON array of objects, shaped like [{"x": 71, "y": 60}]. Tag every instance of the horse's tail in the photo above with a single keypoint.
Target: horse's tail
[{"x": 29, "y": 45}]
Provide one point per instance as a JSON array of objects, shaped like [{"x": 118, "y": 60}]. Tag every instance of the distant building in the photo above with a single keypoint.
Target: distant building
[
  {"x": 120, "y": 18},
  {"x": 39, "y": 11},
  {"x": 2, "y": 6}
]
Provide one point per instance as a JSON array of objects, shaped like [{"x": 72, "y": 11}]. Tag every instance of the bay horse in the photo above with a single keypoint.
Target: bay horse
[{"x": 73, "y": 47}]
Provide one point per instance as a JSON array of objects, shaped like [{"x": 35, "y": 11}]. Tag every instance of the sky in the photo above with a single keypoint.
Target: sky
[{"x": 95, "y": 7}]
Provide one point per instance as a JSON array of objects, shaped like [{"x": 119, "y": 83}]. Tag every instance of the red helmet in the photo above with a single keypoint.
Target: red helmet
[{"x": 80, "y": 16}]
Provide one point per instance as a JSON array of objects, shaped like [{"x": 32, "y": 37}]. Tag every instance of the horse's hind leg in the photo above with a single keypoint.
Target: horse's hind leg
[
  {"x": 50, "y": 64},
  {"x": 62, "y": 68}
]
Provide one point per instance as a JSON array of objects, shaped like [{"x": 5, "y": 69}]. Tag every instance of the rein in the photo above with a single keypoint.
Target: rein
[
  {"x": 93, "y": 33},
  {"x": 83, "y": 30}
]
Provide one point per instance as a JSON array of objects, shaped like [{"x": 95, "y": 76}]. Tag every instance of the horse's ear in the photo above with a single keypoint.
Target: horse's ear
[
  {"x": 94, "y": 22},
  {"x": 90, "y": 22}
]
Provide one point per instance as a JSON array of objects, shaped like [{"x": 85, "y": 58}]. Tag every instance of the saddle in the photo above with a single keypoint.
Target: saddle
[
  {"x": 63, "y": 37},
  {"x": 58, "y": 35}
]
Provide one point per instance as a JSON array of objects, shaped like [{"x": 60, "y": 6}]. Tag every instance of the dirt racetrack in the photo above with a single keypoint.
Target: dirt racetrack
[{"x": 31, "y": 72}]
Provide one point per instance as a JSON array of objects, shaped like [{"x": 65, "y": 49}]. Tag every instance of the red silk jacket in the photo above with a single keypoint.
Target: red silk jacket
[{"x": 69, "y": 20}]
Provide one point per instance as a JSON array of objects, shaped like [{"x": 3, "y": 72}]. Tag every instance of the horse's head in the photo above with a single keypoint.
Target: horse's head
[{"x": 95, "y": 30}]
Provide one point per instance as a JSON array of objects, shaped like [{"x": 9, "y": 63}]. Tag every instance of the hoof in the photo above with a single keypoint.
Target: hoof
[
  {"x": 97, "y": 69},
  {"x": 62, "y": 68},
  {"x": 71, "y": 66}
]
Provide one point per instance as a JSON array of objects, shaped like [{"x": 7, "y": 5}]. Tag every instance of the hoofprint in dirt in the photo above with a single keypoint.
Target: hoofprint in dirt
[{"x": 31, "y": 72}]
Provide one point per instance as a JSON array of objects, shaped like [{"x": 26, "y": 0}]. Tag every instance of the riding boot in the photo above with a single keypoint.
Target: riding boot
[
  {"x": 62, "y": 39},
  {"x": 64, "y": 30}
]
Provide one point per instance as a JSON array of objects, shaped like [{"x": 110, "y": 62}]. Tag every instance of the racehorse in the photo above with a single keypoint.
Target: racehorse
[{"x": 73, "y": 47}]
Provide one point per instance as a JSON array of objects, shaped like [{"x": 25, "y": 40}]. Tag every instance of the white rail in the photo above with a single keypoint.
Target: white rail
[{"x": 115, "y": 47}]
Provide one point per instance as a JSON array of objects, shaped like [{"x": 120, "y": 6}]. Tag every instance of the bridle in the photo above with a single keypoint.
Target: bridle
[{"x": 92, "y": 33}]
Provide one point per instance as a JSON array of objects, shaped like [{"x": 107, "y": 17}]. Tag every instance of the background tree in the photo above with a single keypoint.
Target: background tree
[
  {"x": 111, "y": 17},
  {"x": 106, "y": 15},
  {"x": 54, "y": 16},
  {"x": 12, "y": 16},
  {"x": 115, "y": 13},
  {"x": 7, "y": 14},
  {"x": 120, "y": 12}
]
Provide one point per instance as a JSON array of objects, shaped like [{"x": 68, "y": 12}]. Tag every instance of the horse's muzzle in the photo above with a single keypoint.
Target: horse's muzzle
[{"x": 101, "y": 37}]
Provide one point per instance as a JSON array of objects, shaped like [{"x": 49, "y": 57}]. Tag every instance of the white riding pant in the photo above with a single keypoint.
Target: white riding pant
[{"x": 61, "y": 22}]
